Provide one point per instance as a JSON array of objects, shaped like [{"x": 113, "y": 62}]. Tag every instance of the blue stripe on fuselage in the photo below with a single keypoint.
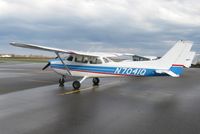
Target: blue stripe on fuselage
[
  {"x": 117, "y": 70},
  {"x": 109, "y": 70}
]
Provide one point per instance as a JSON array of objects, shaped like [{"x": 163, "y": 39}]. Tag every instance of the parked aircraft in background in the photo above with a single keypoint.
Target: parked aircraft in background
[{"x": 95, "y": 65}]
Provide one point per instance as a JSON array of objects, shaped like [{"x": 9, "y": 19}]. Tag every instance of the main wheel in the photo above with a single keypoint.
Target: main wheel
[
  {"x": 61, "y": 82},
  {"x": 76, "y": 85},
  {"x": 96, "y": 81}
]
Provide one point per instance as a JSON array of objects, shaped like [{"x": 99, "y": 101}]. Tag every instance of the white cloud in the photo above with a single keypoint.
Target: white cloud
[
  {"x": 131, "y": 23},
  {"x": 135, "y": 12}
]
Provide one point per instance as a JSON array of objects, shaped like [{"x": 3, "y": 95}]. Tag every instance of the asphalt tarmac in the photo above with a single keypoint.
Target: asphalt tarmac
[{"x": 32, "y": 103}]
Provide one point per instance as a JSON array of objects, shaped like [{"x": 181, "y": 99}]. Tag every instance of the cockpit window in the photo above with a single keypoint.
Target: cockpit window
[
  {"x": 86, "y": 59},
  {"x": 70, "y": 58},
  {"x": 82, "y": 59}
]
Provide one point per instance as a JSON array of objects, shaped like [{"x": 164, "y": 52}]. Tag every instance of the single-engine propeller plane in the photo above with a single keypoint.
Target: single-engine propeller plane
[{"x": 96, "y": 65}]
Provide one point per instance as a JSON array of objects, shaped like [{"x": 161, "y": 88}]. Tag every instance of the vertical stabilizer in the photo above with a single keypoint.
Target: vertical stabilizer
[
  {"x": 177, "y": 55},
  {"x": 176, "y": 58}
]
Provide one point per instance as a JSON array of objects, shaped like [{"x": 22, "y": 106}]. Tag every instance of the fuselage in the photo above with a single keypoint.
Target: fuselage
[
  {"x": 111, "y": 69},
  {"x": 94, "y": 65}
]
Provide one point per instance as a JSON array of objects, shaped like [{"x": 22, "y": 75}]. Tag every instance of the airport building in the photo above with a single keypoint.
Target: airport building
[
  {"x": 6, "y": 55},
  {"x": 196, "y": 59},
  {"x": 143, "y": 58}
]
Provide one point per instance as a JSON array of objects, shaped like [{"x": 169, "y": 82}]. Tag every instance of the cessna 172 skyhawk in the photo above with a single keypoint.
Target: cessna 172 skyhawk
[{"x": 95, "y": 65}]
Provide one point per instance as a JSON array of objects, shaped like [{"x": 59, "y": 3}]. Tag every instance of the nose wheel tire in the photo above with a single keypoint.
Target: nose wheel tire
[
  {"x": 76, "y": 85},
  {"x": 61, "y": 82},
  {"x": 95, "y": 81}
]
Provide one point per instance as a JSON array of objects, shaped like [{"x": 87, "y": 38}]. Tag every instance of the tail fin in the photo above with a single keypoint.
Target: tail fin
[
  {"x": 177, "y": 54},
  {"x": 177, "y": 57}
]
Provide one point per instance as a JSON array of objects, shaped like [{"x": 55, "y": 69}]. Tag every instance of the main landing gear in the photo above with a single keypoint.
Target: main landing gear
[
  {"x": 61, "y": 82},
  {"x": 77, "y": 84},
  {"x": 95, "y": 81}
]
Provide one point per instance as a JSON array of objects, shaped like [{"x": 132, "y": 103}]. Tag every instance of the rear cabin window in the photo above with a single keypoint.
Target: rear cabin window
[
  {"x": 105, "y": 60},
  {"x": 98, "y": 61}
]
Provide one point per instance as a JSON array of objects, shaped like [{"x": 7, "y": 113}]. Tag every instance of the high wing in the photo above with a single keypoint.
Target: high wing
[
  {"x": 32, "y": 46},
  {"x": 56, "y": 50}
]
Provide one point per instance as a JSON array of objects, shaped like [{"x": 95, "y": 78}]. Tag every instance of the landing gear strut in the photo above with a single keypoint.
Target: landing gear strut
[
  {"x": 61, "y": 82},
  {"x": 95, "y": 81}
]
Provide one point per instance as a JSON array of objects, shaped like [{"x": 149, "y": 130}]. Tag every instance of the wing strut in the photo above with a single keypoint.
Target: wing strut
[{"x": 65, "y": 66}]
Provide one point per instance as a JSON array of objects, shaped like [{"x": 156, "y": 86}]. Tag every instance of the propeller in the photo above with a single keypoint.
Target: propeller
[{"x": 47, "y": 65}]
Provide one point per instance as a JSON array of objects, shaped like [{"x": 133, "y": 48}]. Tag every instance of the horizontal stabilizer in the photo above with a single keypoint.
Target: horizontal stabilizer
[{"x": 169, "y": 72}]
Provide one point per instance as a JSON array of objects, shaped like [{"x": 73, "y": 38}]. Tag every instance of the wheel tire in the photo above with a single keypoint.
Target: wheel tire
[
  {"x": 61, "y": 82},
  {"x": 76, "y": 85},
  {"x": 95, "y": 81}
]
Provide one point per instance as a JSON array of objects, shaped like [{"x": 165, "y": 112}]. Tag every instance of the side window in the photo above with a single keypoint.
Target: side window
[
  {"x": 85, "y": 59},
  {"x": 93, "y": 61},
  {"x": 79, "y": 59},
  {"x": 70, "y": 58},
  {"x": 105, "y": 60}
]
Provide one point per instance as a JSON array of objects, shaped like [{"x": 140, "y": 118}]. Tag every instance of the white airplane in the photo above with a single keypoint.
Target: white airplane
[{"x": 95, "y": 65}]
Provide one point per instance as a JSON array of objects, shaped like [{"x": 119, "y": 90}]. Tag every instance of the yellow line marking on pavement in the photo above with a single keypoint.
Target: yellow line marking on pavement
[
  {"x": 70, "y": 92},
  {"x": 85, "y": 89},
  {"x": 77, "y": 91}
]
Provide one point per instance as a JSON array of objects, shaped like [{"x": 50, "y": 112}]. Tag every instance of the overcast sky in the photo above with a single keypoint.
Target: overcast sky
[{"x": 147, "y": 27}]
